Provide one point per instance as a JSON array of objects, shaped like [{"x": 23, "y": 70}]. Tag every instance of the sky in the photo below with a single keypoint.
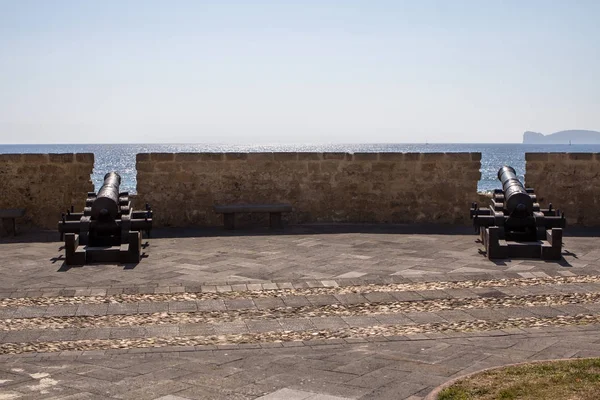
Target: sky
[{"x": 322, "y": 71}]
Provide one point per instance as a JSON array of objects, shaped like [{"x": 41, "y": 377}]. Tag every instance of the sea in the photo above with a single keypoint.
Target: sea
[{"x": 121, "y": 157}]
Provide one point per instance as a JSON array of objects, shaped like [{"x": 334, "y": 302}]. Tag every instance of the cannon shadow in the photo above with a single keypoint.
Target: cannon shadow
[
  {"x": 50, "y": 236},
  {"x": 126, "y": 266}
]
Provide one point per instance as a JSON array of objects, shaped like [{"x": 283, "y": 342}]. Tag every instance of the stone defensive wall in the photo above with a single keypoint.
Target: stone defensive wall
[
  {"x": 322, "y": 187},
  {"x": 45, "y": 185},
  {"x": 570, "y": 181}
]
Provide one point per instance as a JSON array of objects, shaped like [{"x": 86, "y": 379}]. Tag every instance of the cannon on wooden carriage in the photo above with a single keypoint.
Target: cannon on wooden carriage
[
  {"x": 514, "y": 225},
  {"x": 108, "y": 229}
]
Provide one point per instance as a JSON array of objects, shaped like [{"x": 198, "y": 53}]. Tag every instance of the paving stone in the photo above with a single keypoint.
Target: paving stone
[
  {"x": 155, "y": 390},
  {"x": 122, "y": 308},
  {"x": 230, "y": 327},
  {"x": 268, "y": 303},
  {"x": 424, "y": 317},
  {"x": 407, "y": 296},
  {"x": 6, "y": 313},
  {"x": 322, "y": 300},
  {"x": 210, "y": 305},
  {"x": 287, "y": 394},
  {"x": 162, "y": 331},
  {"x": 360, "y": 321},
  {"x": 29, "y": 312},
  {"x": 264, "y": 326},
  {"x": 246, "y": 370},
  {"x": 63, "y": 310},
  {"x": 239, "y": 304},
  {"x": 432, "y": 294},
  {"x": 153, "y": 307},
  {"x": 493, "y": 314},
  {"x": 197, "y": 330},
  {"x": 296, "y": 324},
  {"x": 329, "y": 323},
  {"x": 182, "y": 306},
  {"x": 545, "y": 311},
  {"x": 460, "y": 293},
  {"x": 295, "y": 301},
  {"x": 455, "y": 315},
  {"x": 393, "y": 319},
  {"x": 127, "y": 332},
  {"x": 351, "y": 298},
  {"x": 379, "y": 297},
  {"x": 488, "y": 292},
  {"x": 91, "y": 309}
]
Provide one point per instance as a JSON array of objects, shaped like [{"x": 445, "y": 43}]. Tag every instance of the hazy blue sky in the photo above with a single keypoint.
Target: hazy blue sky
[{"x": 296, "y": 71}]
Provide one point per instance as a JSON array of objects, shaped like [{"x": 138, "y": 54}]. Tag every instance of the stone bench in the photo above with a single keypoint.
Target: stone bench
[
  {"x": 7, "y": 214},
  {"x": 274, "y": 211}
]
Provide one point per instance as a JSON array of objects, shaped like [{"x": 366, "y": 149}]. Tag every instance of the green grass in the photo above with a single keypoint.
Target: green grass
[{"x": 556, "y": 380}]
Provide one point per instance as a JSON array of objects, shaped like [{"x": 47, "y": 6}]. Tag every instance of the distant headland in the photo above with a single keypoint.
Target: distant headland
[{"x": 563, "y": 137}]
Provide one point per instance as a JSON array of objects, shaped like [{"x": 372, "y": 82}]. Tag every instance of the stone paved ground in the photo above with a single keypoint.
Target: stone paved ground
[{"x": 313, "y": 313}]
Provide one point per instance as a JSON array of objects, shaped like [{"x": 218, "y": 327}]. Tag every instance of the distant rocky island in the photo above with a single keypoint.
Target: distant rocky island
[{"x": 562, "y": 137}]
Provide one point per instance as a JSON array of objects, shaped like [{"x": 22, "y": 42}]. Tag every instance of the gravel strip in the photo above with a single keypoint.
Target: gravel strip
[
  {"x": 305, "y": 336},
  {"x": 363, "y": 289},
  {"x": 166, "y": 318}
]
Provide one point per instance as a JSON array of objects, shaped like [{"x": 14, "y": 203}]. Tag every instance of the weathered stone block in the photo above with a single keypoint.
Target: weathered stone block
[
  {"x": 291, "y": 156},
  {"x": 236, "y": 156},
  {"x": 87, "y": 158},
  {"x": 11, "y": 158},
  {"x": 475, "y": 156},
  {"x": 392, "y": 157},
  {"x": 365, "y": 156},
  {"x": 61, "y": 158},
  {"x": 432, "y": 157},
  {"x": 168, "y": 167},
  {"x": 536, "y": 157},
  {"x": 558, "y": 157},
  {"x": 35, "y": 158},
  {"x": 260, "y": 157},
  {"x": 330, "y": 166},
  {"x": 162, "y": 156},
  {"x": 212, "y": 156},
  {"x": 303, "y": 156},
  {"x": 144, "y": 167},
  {"x": 581, "y": 156},
  {"x": 141, "y": 157},
  {"x": 187, "y": 157},
  {"x": 50, "y": 169},
  {"x": 314, "y": 167},
  {"x": 412, "y": 156},
  {"x": 382, "y": 167},
  {"x": 337, "y": 156}
]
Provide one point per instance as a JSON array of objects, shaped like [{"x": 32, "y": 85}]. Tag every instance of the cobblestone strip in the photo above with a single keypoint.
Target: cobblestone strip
[
  {"x": 335, "y": 310},
  {"x": 307, "y": 291},
  {"x": 379, "y": 331}
]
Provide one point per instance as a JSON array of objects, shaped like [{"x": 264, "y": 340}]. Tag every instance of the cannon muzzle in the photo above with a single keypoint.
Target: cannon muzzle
[
  {"x": 516, "y": 198},
  {"x": 107, "y": 201}
]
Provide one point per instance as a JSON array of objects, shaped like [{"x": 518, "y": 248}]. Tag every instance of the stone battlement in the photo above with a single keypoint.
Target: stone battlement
[
  {"x": 570, "y": 181},
  {"x": 45, "y": 184},
  {"x": 322, "y": 187}
]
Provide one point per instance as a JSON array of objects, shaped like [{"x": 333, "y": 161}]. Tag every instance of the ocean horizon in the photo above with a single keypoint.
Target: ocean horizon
[{"x": 121, "y": 157}]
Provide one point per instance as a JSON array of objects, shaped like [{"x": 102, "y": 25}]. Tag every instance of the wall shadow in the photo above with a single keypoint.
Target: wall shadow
[{"x": 48, "y": 236}]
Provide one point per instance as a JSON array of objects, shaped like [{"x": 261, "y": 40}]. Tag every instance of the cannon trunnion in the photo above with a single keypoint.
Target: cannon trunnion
[
  {"x": 514, "y": 225},
  {"x": 108, "y": 229}
]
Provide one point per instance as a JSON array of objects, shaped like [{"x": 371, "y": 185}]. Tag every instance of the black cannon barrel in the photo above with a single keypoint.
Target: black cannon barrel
[
  {"x": 516, "y": 197},
  {"x": 107, "y": 197}
]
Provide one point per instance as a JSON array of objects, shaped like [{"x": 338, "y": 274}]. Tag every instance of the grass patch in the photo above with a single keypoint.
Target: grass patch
[{"x": 556, "y": 380}]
